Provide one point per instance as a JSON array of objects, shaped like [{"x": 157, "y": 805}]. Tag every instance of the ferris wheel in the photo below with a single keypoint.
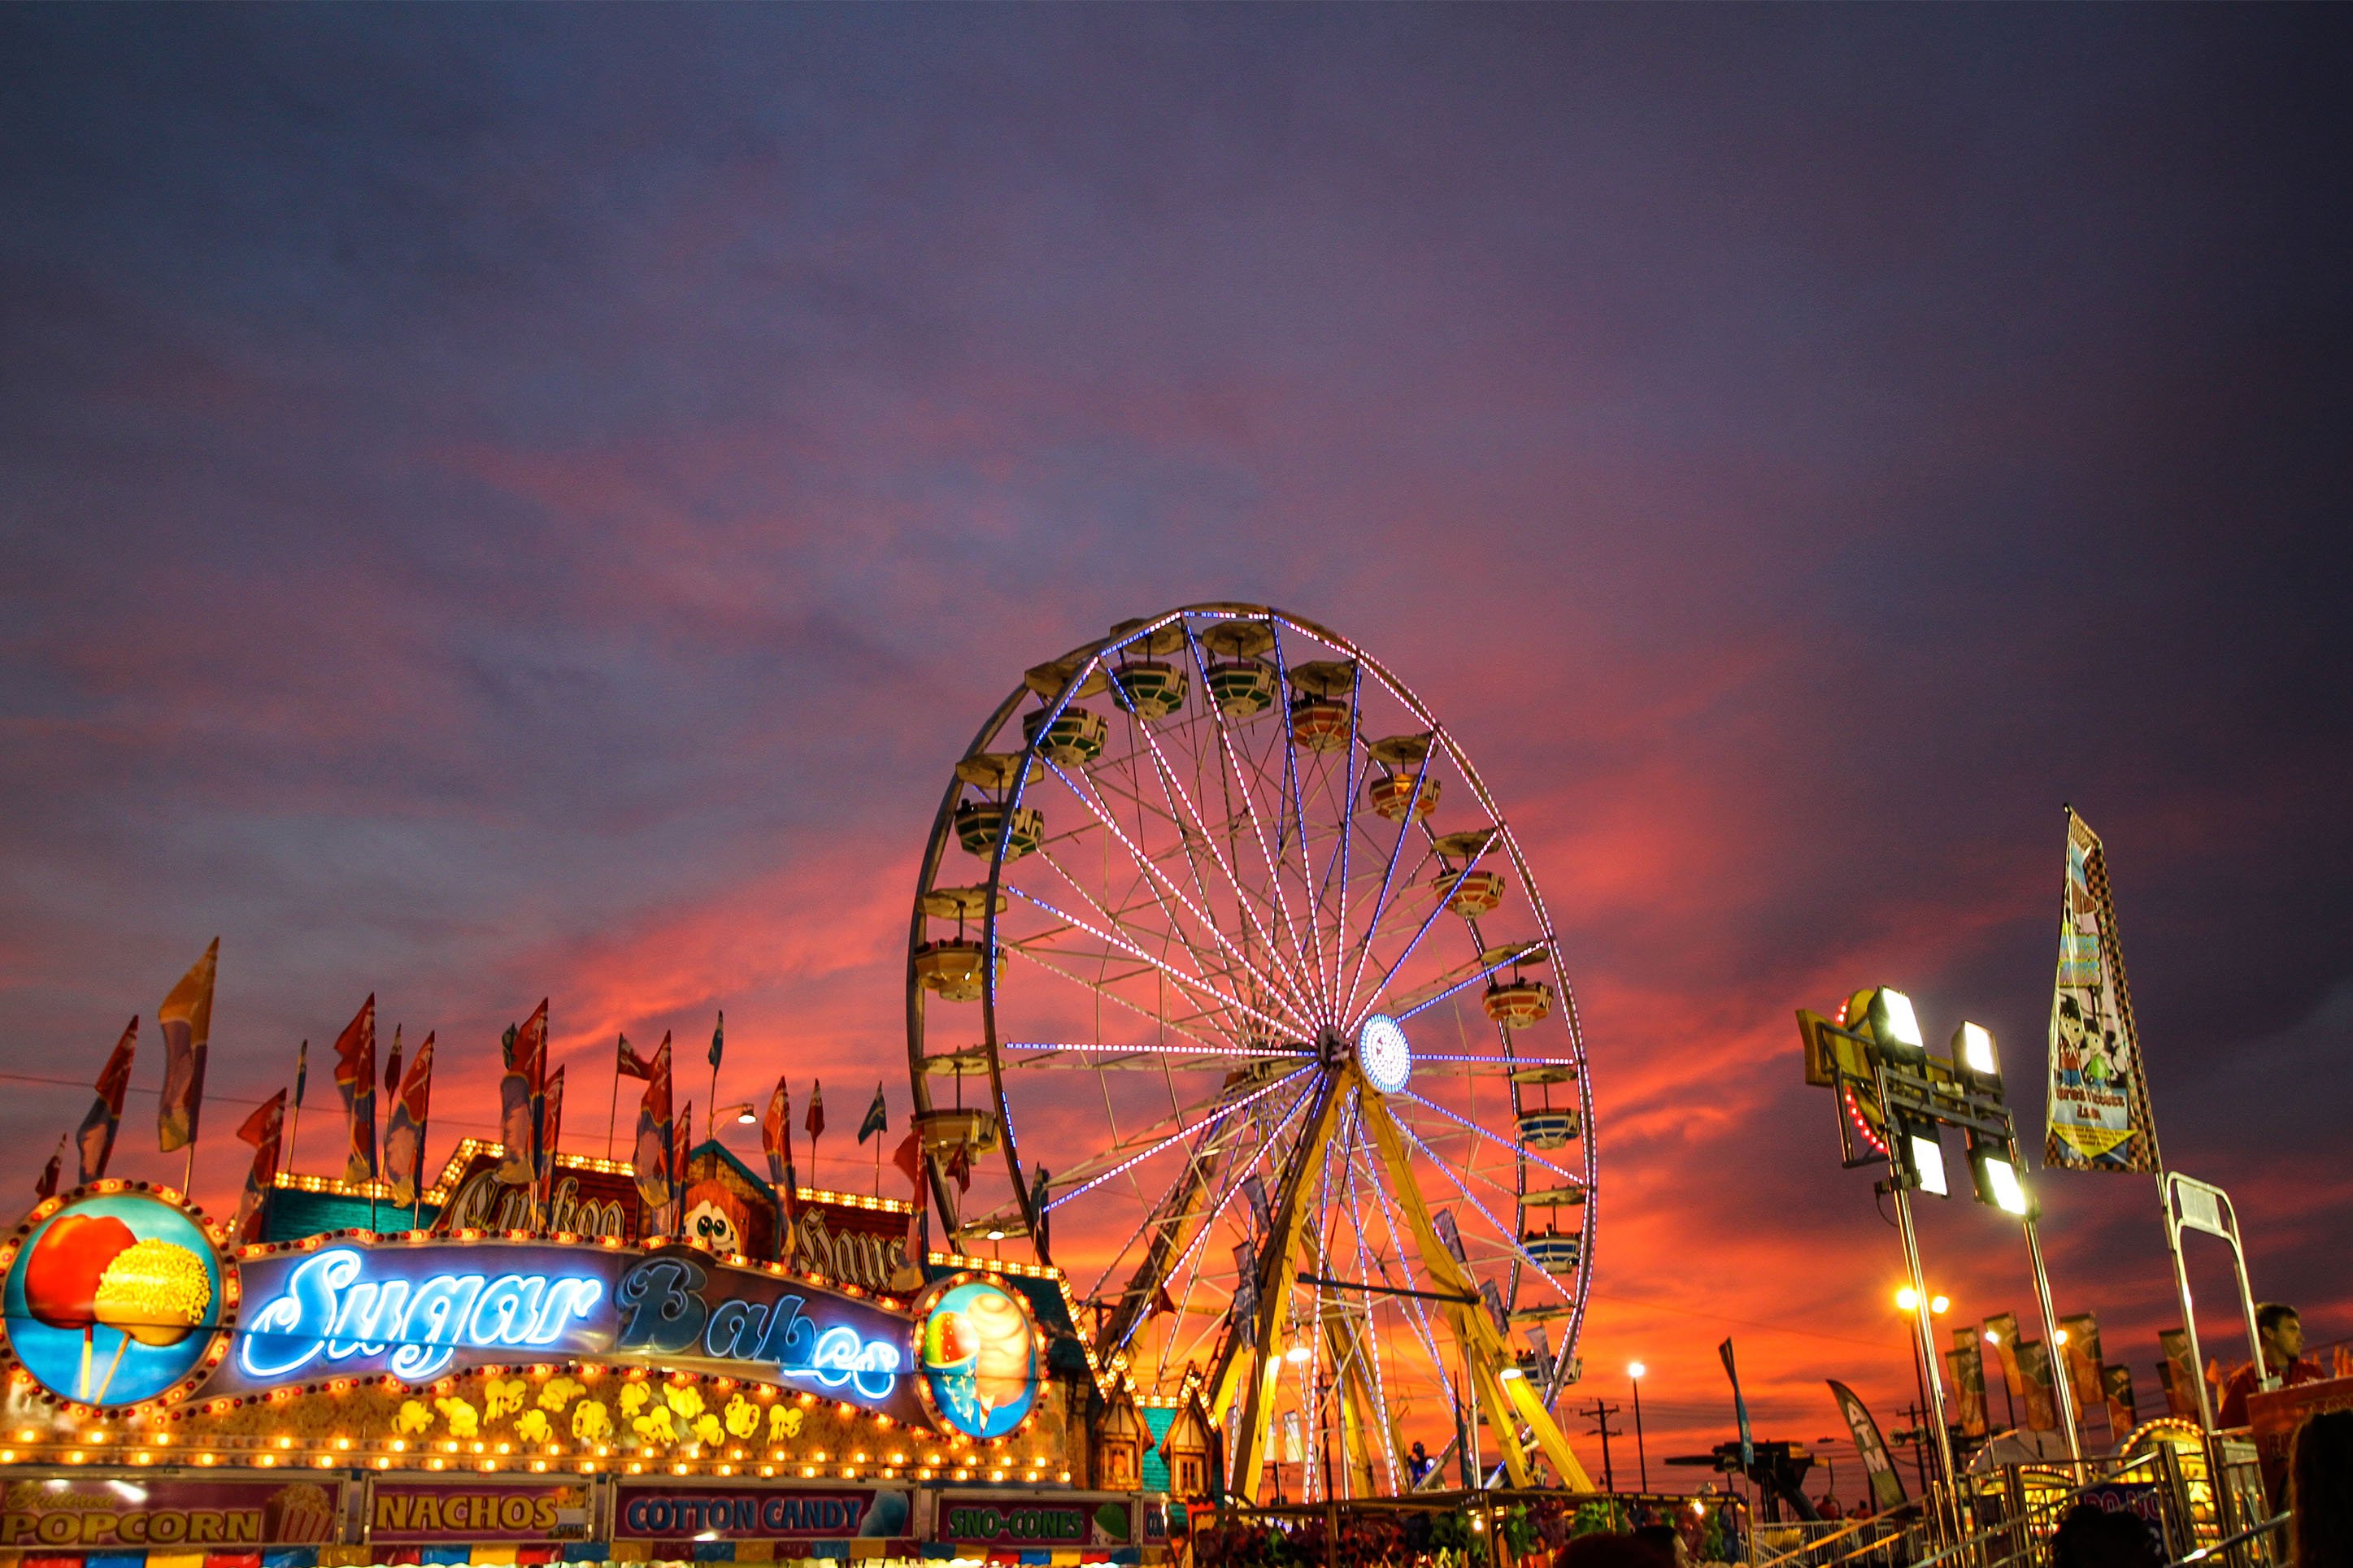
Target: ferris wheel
[{"x": 1230, "y": 994}]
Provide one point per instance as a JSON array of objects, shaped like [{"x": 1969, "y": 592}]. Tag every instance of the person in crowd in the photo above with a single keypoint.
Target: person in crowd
[
  {"x": 1419, "y": 1461},
  {"x": 2279, "y": 1341},
  {"x": 2320, "y": 1491},
  {"x": 1829, "y": 1508},
  {"x": 1666, "y": 1541}
]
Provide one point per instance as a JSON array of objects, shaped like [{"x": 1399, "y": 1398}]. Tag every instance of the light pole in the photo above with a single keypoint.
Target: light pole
[
  {"x": 1908, "y": 1301},
  {"x": 1634, "y": 1375}
]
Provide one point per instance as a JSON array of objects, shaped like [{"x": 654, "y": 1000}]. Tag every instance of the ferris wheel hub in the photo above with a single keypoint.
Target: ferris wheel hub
[{"x": 1383, "y": 1056}]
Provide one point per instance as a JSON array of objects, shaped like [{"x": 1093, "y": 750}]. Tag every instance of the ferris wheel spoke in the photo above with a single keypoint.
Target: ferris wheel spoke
[
  {"x": 1199, "y": 966},
  {"x": 1389, "y": 974},
  {"x": 1518, "y": 1151},
  {"x": 1175, "y": 1026},
  {"x": 1519, "y": 1253},
  {"x": 1168, "y": 1142},
  {"x": 1376, "y": 1179},
  {"x": 1152, "y": 872},
  {"x": 1175, "y": 789},
  {"x": 1405, "y": 826},
  {"x": 1296, "y": 792},
  {"x": 1234, "y": 756},
  {"x": 1519, "y": 954},
  {"x": 1233, "y": 1005},
  {"x": 1236, "y": 1178}
]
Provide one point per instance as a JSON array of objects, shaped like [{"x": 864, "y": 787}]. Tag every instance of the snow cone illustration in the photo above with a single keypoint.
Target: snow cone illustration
[
  {"x": 980, "y": 1359},
  {"x": 107, "y": 1295}
]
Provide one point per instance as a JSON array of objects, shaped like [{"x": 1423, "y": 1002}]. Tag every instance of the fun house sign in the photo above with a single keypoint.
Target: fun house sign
[{"x": 120, "y": 1298}]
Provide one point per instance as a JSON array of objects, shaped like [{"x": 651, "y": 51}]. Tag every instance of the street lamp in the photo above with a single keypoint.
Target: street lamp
[
  {"x": 1907, "y": 1301},
  {"x": 1634, "y": 1371}
]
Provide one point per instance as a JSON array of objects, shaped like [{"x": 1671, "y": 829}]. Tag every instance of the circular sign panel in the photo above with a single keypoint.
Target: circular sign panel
[
  {"x": 978, "y": 1356},
  {"x": 113, "y": 1298}
]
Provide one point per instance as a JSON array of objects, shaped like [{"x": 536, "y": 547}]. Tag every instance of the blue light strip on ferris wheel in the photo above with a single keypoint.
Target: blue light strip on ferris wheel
[
  {"x": 1518, "y": 956},
  {"x": 1177, "y": 1137}
]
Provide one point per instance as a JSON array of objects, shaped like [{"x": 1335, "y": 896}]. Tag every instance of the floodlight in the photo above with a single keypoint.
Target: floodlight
[
  {"x": 1296, "y": 1353},
  {"x": 1939, "y": 1303},
  {"x": 1907, "y": 1299},
  {"x": 1994, "y": 1168},
  {"x": 1925, "y": 1154},
  {"x": 1895, "y": 1026},
  {"x": 1974, "y": 1057}
]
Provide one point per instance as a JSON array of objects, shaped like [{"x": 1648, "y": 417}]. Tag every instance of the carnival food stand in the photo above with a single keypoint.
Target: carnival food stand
[{"x": 449, "y": 1393}]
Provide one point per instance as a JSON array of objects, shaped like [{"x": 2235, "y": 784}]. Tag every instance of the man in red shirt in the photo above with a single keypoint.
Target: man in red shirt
[{"x": 2279, "y": 1333}]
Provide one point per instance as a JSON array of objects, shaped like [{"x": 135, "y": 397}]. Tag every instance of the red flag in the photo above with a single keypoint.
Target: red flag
[
  {"x": 356, "y": 1081},
  {"x": 813, "y": 1123},
  {"x": 404, "y": 1130},
  {"x": 262, "y": 1129},
  {"x": 649, "y": 1155},
  {"x": 908, "y": 1158},
  {"x": 626, "y": 1063},
  {"x": 519, "y": 1098},
  {"x": 777, "y": 1138},
  {"x": 94, "y": 1140},
  {"x": 960, "y": 1167},
  {"x": 392, "y": 1066},
  {"x": 550, "y": 1124},
  {"x": 47, "y": 1186},
  {"x": 185, "y": 1020}
]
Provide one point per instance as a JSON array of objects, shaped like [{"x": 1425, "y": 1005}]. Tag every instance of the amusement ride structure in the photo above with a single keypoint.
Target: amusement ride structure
[{"x": 1232, "y": 995}]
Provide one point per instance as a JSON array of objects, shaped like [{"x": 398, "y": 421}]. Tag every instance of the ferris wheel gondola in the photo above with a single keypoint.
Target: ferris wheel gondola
[{"x": 1230, "y": 994}]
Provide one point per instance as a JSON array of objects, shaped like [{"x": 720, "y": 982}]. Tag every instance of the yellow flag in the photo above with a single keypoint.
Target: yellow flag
[{"x": 187, "y": 1019}]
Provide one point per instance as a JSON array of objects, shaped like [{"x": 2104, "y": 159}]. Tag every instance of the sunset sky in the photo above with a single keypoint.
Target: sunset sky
[{"x": 499, "y": 504}]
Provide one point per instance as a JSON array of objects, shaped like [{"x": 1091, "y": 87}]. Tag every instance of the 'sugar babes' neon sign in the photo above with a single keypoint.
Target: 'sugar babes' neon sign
[{"x": 415, "y": 1310}]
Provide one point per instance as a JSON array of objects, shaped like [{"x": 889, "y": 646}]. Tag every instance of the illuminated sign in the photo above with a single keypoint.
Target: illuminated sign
[
  {"x": 1013, "y": 1521},
  {"x": 114, "y": 1296},
  {"x": 179, "y": 1514},
  {"x": 712, "y": 1513},
  {"x": 430, "y": 1513},
  {"x": 329, "y": 1310},
  {"x": 981, "y": 1355},
  {"x": 664, "y": 1314}
]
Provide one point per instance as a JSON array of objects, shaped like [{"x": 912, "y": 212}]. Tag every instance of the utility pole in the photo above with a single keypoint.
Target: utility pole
[{"x": 1601, "y": 1414}]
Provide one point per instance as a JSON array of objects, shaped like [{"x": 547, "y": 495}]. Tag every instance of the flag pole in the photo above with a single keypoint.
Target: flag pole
[
  {"x": 613, "y": 1110},
  {"x": 295, "y": 1126}
]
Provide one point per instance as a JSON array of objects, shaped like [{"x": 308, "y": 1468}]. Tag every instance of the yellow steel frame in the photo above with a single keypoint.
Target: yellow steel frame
[{"x": 1507, "y": 1402}]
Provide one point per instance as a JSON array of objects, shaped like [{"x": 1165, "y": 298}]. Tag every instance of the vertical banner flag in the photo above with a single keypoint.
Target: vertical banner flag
[
  {"x": 1740, "y": 1407},
  {"x": 294, "y": 1116},
  {"x": 1450, "y": 1234},
  {"x": 777, "y": 1141},
  {"x": 1261, "y": 1211},
  {"x": 681, "y": 1134},
  {"x": 551, "y": 1125},
  {"x": 2124, "y": 1414},
  {"x": 356, "y": 1081},
  {"x": 626, "y": 1063},
  {"x": 908, "y": 1158},
  {"x": 2001, "y": 1329},
  {"x": 520, "y": 1088},
  {"x": 45, "y": 1184},
  {"x": 813, "y": 1124},
  {"x": 185, "y": 1021},
  {"x": 2035, "y": 1372},
  {"x": 2180, "y": 1377},
  {"x": 2098, "y": 1116},
  {"x": 404, "y": 1130},
  {"x": 878, "y": 1118},
  {"x": 1878, "y": 1466},
  {"x": 649, "y": 1155},
  {"x": 94, "y": 1140},
  {"x": 1245, "y": 1282},
  {"x": 1968, "y": 1360},
  {"x": 263, "y": 1129},
  {"x": 2082, "y": 1353}
]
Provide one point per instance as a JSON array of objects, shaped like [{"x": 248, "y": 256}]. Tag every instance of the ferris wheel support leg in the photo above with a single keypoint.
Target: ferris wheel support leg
[
  {"x": 1485, "y": 1353},
  {"x": 1278, "y": 1262}
]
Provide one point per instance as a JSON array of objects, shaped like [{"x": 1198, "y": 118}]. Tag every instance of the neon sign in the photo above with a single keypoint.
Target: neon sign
[
  {"x": 329, "y": 1311},
  {"x": 663, "y": 1314}
]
